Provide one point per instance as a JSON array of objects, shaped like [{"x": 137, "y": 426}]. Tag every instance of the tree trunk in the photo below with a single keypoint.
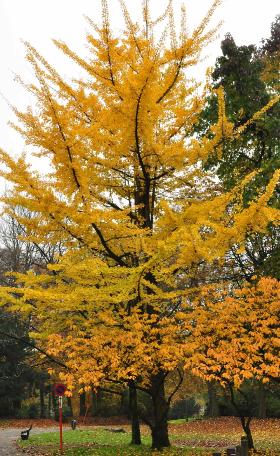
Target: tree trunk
[
  {"x": 42, "y": 402},
  {"x": 159, "y": 427},
  {"x": 133, "y": 408},
  {"x": 212, "y": 407},
  {"x": 82, "y": 404},
  {"x": 245, "y": 421},
  {"x": 54, "y": 404},
  {"x": 69, "y": 404},
  {"x": 261, "y": 402},
  {"x": 246, "y": 428},
  {"x": 49, "y": 404},
  {"x": 16, "y": 405},
  {"x": 96, "y": 402}
]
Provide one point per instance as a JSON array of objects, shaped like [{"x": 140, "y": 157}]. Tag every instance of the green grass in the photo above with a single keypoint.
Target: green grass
[
  {"x": 179, "y": 421},
  {"x": 97, "y": 442},
  {"x": 84, "y": 436},
  {"x": 185, "y": 420},
  {"x": 192, "y": 438}
]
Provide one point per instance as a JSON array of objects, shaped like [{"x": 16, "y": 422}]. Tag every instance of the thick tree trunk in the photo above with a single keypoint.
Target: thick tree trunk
[
  {"x": 159, "y": 427},
  {"x": 212, "y": 407},
  {"x": 42, "y": 402},
  {"x": 261, "y": 402},
  {"x": 16, "y": 405},
  {"x": 133, "y": 408},
  {"x": 245, "y": 421},
  {"x": 96, "y": 402},
  {"x": 82, "y": 404},
  {"x": 246, "y": 427}
]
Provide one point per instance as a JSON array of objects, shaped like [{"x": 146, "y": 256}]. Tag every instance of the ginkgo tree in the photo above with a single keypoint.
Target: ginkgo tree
[{"x": 129, "y": 199}]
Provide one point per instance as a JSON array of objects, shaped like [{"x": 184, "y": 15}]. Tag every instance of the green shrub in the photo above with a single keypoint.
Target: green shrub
[
  {"x": 184, "y": 408},
  {"x": 29, "y": 409}
]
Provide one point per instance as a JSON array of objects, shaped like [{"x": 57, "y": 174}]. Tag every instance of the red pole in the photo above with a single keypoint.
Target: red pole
[{"x": 60, "y": 423}]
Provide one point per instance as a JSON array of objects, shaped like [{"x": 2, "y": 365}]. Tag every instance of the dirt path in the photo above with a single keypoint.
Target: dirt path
[{"x": 9, "y": 436}]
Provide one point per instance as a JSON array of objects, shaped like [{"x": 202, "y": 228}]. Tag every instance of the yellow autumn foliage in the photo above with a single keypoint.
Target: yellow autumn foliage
[
  {"x": 129, "y": 199},
  {"x": 235, "y": 336}
]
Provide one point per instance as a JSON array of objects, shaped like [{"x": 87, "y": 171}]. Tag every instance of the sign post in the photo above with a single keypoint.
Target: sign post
[
  {"x": 60, "y": 423},
  {"x": 59, "y": 390}
]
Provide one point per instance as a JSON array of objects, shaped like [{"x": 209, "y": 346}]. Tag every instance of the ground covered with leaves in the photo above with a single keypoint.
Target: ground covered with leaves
[{"x": 187, "y": 438}]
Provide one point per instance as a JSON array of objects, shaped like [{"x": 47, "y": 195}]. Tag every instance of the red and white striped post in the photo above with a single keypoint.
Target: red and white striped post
[
  {"x": 59, "y": 391},
  {"x": 60, "y": 423}
]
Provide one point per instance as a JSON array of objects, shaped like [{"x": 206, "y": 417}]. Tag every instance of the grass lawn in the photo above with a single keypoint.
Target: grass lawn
[
  {"x": 187, "y": 438},
  {"x": 95, "y": 442}
]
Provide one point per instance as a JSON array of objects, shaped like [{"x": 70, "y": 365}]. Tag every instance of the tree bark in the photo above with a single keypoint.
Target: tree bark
[
  {"x": 133, "y": 408},
  {"x": 245, "y": 421},
  {"x": 159, "y": 427},
  {"x": 212, "y": 407},
  {"x": 246, "y": 427},
  {"x": 82, "y": 404},
  {"x": 42, "y": 402},
  {"x": 69, "y": 404},
  {"x": 96, "y": 402},
  {"x": 49, "y": 404},
  {"x": 261, "y": 401},
  {"x": 53, "y": 399}
]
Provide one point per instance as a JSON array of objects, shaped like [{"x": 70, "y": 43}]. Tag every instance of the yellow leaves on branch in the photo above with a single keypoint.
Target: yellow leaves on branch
[{"x": 127, "y": 197}]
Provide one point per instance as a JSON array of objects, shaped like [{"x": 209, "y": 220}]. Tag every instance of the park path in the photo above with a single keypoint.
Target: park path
[{"x": 9, "y": 436}]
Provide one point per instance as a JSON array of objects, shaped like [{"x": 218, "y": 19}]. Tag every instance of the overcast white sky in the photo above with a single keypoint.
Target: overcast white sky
[{"x": 38, "y": 21}]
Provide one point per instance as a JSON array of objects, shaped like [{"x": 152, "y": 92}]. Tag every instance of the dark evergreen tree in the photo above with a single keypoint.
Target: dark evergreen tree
[
  {"x": 240, "y": 71},
  {"x": 250, "y": 78},
  {"x": 243, "y": 73},
  {"x": 15, "y": 373},
  {"x": 270, "y": 54},
  {"x": 271, "y": 45}
]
